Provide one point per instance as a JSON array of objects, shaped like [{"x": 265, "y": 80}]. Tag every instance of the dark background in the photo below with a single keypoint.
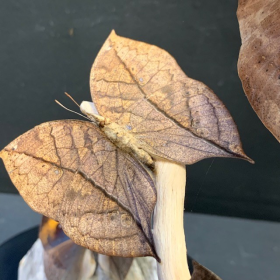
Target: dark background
[{"x": 48, "y": 47}]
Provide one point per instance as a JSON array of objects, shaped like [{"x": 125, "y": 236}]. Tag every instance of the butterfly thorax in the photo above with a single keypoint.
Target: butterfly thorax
[{"x": 126, "y": 141}]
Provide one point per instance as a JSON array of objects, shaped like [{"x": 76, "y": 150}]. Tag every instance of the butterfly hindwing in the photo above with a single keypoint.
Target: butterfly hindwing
[{"x": 102, "y": 197}]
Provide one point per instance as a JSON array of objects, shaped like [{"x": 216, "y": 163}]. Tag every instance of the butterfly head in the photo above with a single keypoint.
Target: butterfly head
[{"x": 88, "y": 109}]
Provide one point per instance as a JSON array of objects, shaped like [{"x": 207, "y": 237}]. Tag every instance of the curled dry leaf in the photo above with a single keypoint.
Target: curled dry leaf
[
  {"x": 202, "y": 273},
  {"x": 113, "y": 268},
  {"x": 102, "y": 197},
  {"x": 63, "y": 259},
  {"x": 55, "y": 257},
  {"x": 259, "y": 59},
  {"x": 141, "y": 86}
]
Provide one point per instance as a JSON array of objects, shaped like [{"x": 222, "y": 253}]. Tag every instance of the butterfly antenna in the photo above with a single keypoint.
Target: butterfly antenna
[
  {"x": 71, "y": 110},
  {"x": 68, "y": 95}
]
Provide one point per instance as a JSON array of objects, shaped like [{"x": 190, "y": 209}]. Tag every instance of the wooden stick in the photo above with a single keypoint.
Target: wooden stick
[{"x": 168, "y": 228}]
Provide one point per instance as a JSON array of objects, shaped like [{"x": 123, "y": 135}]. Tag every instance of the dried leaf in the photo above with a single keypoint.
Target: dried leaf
[
  {"x": 63, "y": 259},
  {"x": 114, "y": 268},
  {"x": 102, "y": 197},
  {"x": 202, "y": 273},
  {"x": 259, "y": 59},
  {"x": 175, "y": 117},
  {"x": 55, "y": 257}
]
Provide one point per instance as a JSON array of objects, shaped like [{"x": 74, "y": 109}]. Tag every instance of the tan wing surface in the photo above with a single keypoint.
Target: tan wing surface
[
  {"x": 142, "y": 87},
  {"x": 103, "y": 198}
]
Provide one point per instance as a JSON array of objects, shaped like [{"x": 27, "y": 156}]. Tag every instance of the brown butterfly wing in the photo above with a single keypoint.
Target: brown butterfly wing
[
  {"x": 259, "y": 59},
  {"x": 102, "y": 197},
  {"x": 141, "y": 86}
]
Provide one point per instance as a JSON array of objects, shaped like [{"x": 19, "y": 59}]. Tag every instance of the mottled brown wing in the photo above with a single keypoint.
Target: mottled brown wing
[
  {"x": 259, "y": 59},
  {"x": 142, "y": 87},
  {"x": 102, "y": 197}
]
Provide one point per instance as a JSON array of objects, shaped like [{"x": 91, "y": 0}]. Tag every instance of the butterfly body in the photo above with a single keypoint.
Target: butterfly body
[
  {"x": 120, "y": 135},
  {"x": 126, "y": 141}
]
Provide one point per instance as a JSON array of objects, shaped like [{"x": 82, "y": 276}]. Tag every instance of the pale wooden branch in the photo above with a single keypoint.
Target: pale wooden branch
[{"x": 168, "y": 228}]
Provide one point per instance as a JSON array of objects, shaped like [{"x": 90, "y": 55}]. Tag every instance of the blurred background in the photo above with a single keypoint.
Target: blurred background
[{"x": 48, "y": 47}]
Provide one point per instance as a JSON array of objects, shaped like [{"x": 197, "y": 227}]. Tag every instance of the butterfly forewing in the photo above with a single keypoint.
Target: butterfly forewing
[
  {"x": 141, "y": 87},
  {"x": 69, "y": 171}
]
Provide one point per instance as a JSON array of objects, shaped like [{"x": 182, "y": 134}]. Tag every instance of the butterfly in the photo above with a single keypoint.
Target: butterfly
[{"x": 96, "y": 177}]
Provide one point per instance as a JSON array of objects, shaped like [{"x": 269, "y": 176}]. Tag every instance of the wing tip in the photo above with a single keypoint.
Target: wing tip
[
  {"x": 243, "y": 156},
  {"x": 237, "y": 152},
  {"x": 112, "y": 34}
]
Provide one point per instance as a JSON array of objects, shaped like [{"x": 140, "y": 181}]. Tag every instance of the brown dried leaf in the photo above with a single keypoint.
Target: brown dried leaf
[
  {"x": 113, "y": 268},
  {"x": 202, "y": 273},
  {"x": 101, "y": 196},
  {"x": 63, "y": 259},
  {"x": 175, "y": 117},
  {"x": 259, "y": 59},
  {"x": 55, "y": 257}
]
